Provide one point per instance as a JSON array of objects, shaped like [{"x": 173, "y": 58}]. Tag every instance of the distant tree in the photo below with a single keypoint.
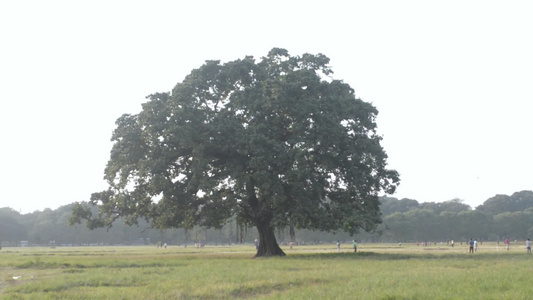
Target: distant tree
[
  {"x": 449, "y": 228},
  {"x": 474, "y": 224},
  {"x": 454, "y": 205},
  {"x": 424, "y": 224},
  {"x": 398, "y": 227},
  {"x": 503, "y": 225},
  {"x": 275, "y": 142},
  {"x": 529, "y": 232},
  {"x": 11, "y": 230},
  {"x": 498, "y": 204},
  {"x": 44, "y": 229},
  {"x": 514, "y": 225},
  {"x": 390, "y": 205}
]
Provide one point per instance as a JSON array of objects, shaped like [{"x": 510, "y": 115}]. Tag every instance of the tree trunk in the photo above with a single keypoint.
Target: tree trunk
[
  {"x": 236, "y": 232},
  {"x": 292, "y": 233},
  {"x": 242, "y": 234},
  {"x": 268, "y": 246}
]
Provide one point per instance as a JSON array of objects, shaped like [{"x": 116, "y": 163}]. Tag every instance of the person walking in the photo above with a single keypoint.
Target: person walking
[
  {"x": 354, "y": 246},
  {"x": 528, "y": 246},
  {"x": 338, "y": 246},
  {"x": 507, "y": 243}
]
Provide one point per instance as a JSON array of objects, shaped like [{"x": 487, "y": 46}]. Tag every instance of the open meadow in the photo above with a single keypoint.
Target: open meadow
[{"x": 376, "y": 271}]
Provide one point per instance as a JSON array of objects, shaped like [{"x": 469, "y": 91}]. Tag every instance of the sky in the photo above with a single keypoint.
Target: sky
[{"x": 452, "y": 81}]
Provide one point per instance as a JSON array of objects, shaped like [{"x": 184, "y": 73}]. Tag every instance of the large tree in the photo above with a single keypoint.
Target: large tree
[{"x": 274, "y": 142}]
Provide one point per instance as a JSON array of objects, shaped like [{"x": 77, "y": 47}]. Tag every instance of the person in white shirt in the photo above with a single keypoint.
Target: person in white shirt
[{"x": 528, "y": 246}]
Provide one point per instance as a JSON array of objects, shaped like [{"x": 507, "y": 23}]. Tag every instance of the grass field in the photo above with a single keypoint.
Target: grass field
[{"x": 377, "y": 271}]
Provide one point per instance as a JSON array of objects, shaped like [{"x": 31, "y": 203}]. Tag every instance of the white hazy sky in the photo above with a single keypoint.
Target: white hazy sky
[{"x": 452, "y": 81}]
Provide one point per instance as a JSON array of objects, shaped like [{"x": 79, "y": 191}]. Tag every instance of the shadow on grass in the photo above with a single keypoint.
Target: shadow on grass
[
  {"x": 35, "y": 287},
  {"x": 268, "y": 288},
  {"x": 38, "y": 264},
  {"x": 404, "y": 256}
]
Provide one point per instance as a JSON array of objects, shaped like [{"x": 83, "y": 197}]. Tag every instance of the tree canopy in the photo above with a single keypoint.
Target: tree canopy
[
  {"x": 275, "y": 142},
  {"x": 518, "y": 201}
]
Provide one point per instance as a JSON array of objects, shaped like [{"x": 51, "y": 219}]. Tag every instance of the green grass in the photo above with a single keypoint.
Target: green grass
[{"x": 377, "y": 271}]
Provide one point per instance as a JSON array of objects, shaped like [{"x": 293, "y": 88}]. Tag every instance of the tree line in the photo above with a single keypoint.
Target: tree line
[
  {"x": 403, "y": 220},
  {"x": 499, "y": 217}
]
